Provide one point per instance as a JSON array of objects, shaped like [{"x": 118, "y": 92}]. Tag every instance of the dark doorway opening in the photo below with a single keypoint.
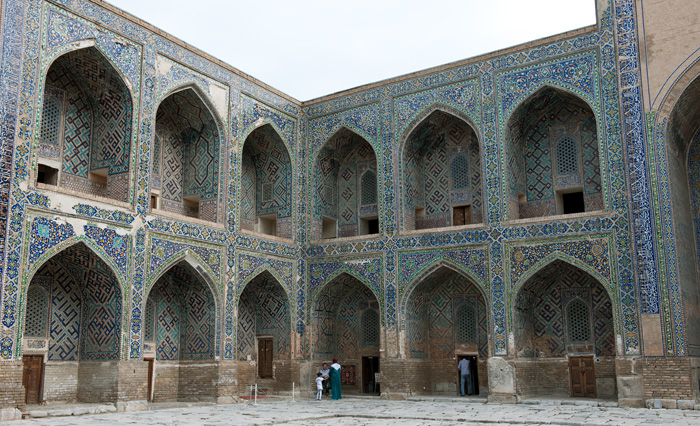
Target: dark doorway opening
[
  {"x": 370, "y": 375},
  {"x": 150, "y": 362},
  {"x": 373, "y": 226},
  {"x": 474, "y": 373},
  {"x": 582, "y": 377},
  {"x": 32, "y": 375},
  {"x": 573, "y": 202},
  {"x": 265, "y": 358},
  {"x": 47, "y": 175}
]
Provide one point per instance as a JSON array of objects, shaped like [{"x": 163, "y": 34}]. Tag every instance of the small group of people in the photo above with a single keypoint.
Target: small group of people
[{"x": 328, "y": 381}]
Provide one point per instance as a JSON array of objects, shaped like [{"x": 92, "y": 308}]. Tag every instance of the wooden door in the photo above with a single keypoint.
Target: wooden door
[
  {"x": 31, "y": 378},
  {"x": 149, "y": 397},
  {"x": 265, "y": 358},
  {"x": 461, "y": 215},
  {"x": 582, "y": 377}
]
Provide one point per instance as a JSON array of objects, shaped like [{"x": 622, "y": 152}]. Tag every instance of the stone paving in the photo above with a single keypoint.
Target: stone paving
[{"x": 373, "y": 412}]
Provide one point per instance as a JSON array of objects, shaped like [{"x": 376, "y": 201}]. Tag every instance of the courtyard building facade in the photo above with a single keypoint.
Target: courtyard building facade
[{"x": 176, "y": 230}]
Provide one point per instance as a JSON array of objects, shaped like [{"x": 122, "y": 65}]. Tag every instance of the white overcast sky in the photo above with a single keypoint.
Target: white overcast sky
[{"x": 311, "y": 48}]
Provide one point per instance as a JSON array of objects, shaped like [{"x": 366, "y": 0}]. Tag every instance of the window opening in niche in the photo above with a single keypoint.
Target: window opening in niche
[
  {"x": 328, "y": 227},
  {"x": 579, "y": 322},
  {"x": 460, "y": 172},
  {"x": 567, "y": 156},
  {"x": 369, "y": 226},
  {"x": 572, "y": 202},
  {"x": 267, "y": 191},
  {"x": 369, "y": 188},
  {"x": 50, "y": 121},
  {"x": 35, "y": 325},
  {"x": 466, "y": 325},
  {"x": 148, "y": 320},
  {"x": 47, "y": 175},
  {"x": 370, "y": 328}
]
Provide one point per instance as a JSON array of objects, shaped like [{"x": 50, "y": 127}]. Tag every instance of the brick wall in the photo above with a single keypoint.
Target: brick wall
[
  {"x": 133, "y": 381},
  {"x": 97, "y": 381},
  {"x": 668, "y": 378},
  {"x": 11, "y": 388},
  {"x": 196, "y": 382},
  {"x": 542, "y": 376},
  {"x": 227, "y": 378},
  {"x": 60, "y": 381},
  {"x": 167, "y": 381}
]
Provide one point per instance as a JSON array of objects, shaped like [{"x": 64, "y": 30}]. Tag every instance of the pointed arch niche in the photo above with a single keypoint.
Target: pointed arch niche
[
  {"x": 86, "y": 127},
  {"x": 180, "y": 334},
  {"x": 562, "y": 312},
  {"x": 552, "y": 163},
  {"x": 683, "y": 156},
  {"x": 447, "y": 318},
  {"x": 264, "y": 334},
  {"x": 185, "y": 157},
  {"x": 442, "y": 174},
  {"x": 345, "y": 325},
  {"x": 266, "y": 184},
  {"x": 73, "y": 318},
  {"x": 346, "y": 192}
]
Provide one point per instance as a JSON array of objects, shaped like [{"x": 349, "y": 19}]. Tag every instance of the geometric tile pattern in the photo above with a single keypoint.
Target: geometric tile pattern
[
  {"x": 553, "y": 293},
  {"x": 264, "y": 309},
  {"x": 433, "y": 308}
]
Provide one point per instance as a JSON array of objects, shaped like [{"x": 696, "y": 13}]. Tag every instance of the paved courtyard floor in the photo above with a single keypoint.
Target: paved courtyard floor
[{"x": 373, "y": 412}]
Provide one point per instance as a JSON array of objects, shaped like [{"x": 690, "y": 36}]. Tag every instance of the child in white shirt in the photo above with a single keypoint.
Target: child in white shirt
[{"x": 319, "y": 386}]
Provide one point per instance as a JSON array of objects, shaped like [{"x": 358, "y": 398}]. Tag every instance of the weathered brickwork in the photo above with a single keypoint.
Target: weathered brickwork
[{"x": 522, "y": 208}]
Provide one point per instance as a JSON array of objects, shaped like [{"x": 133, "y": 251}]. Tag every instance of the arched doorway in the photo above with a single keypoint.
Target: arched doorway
[
  {"x": 446, "y": 320},
  {"x": 72, "y": 328},
  {"x": 346, "y": 191},
  {"x": 564, "y": 331},
  {"x": 264, "y": 336},
  {"x": 346, "y": 325},
  {"x": 179, "y": 333},
  {"x": 266, "y": 184},
  {"x": 552, "y": 163},
  {"x": 442, "y": 175},
  {"x": 185, "y": 163},
  {"x": 86, "y": 127}
]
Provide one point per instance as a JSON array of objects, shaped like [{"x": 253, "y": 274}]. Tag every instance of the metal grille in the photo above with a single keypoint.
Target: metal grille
[
  {"x": 567, "y": 156},
  {"x": 148, "y": 320},
  {"x": 370, "y": 328},
  {"x": 37, "y": 306},
  {"x": 156, "y": 155},
  {"x": 50, "y": 121},
  {"x": 460, "y": 172},
  {"x": 466, "y": 324},
  {"x": 327, "y": 195},
  {"x": 267, "y": 191},
  {"x": 579, "y": 322},
  {"x": 369, "y": 188}
]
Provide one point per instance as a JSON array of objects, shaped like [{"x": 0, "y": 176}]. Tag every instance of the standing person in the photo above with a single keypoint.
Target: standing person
[
  {"x": 319, "y": 386},
  {"x": 325, "y": 373},
  {"x": 335, "y": 379},
  {"x": 465, "y": 375}
]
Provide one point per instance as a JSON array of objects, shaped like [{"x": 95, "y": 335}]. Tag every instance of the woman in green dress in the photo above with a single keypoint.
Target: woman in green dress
[{"x": 335, "y": 379}]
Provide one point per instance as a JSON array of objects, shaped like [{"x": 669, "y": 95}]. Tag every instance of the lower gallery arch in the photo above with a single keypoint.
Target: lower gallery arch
[
  {"x": 345, "y": 325},
  {"x": 72, "y": 329},
  {"x": 446, "y": 320},
  {"x": 264, "y": 336},
  {"x": 564, "y": 332},
  {"x": 179, "y": 336}
]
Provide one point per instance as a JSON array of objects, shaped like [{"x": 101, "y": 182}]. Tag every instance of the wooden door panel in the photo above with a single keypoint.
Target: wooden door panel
[
  {"x": 31, "y": 377},
  {"x": 582, "y": 377},
  {"x": 265, "y": 358},
  {"x": 458, "y": 216}
]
